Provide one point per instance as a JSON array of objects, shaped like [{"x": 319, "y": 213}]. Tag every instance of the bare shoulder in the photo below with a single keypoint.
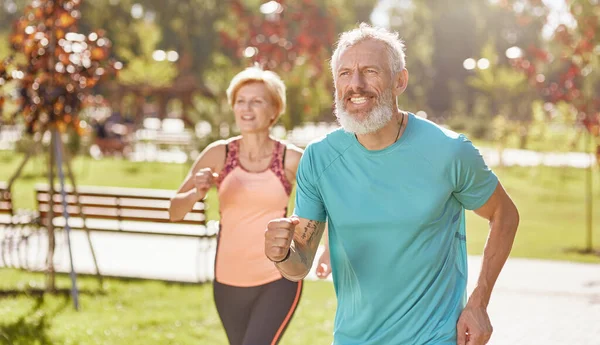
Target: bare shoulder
[
  {"x": 216, "y": 148},
  {"x": 213, "y": 156},
  {"x": 293, "y": 154},
  {"x": 292, "y": 158}
]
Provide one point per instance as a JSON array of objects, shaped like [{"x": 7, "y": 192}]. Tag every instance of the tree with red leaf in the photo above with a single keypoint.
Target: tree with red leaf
[
  {"x": 55, "y": 68},
  {"x": 562, "y": 73},
  {"x": 61, "y": 66},
  {"x": 285, "y": 33},
  {"x": 294, "y": 39}
]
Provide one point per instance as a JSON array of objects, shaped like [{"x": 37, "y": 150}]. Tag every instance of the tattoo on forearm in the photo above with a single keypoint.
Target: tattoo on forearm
[
  {"x": 307, "y": 231},
  {"x": 314, "y": 234},
  {"x": 303, "y": 258},
  {"x": 307, "y": 241},
  {"x": 309, "y": 234}
]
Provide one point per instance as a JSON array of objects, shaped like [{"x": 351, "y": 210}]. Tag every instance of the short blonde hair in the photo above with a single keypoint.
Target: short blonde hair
[{"x": 255, "y": 74}]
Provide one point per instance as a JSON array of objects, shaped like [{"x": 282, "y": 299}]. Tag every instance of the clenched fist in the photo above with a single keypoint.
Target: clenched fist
[
  {"x": 204, "y": 179},
  {"x": 278, "y": 238}
]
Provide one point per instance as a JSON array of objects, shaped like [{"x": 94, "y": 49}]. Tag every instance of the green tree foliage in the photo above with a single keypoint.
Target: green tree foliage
[
  {"x": 499, "y": 83},
  {"x": 441, "y": 35},
  {"x": 184, "y": 26},
  {"x": 142, "y": 69},
  {"x": 412, "y": 20}
]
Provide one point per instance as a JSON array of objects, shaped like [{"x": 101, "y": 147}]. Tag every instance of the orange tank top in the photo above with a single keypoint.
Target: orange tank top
[{"x": 247, "y": 202}]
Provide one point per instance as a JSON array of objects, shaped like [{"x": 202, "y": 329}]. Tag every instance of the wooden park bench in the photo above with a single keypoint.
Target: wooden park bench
[{"x": 123, "y": 210}]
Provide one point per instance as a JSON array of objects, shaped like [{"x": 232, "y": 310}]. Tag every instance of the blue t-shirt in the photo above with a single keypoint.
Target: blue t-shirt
[{"x": 396, "y": 221}]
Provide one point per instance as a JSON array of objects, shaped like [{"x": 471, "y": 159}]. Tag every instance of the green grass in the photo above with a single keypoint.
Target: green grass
[
  {"x": 551, "y": 204},
  {"x": 551, "y": 201},
  {"x": 559, "y": 143},
  {"x": 140, "y": 312}
]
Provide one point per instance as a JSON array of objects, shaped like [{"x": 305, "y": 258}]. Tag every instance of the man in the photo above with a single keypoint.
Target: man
[{"x": 393, "y": 189}]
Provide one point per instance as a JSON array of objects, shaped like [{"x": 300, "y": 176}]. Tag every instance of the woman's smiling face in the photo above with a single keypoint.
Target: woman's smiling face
[{"x": 254, "y": 108}]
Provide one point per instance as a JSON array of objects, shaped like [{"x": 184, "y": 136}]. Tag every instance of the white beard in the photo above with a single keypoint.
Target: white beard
[{"x": 372, "y": 122}]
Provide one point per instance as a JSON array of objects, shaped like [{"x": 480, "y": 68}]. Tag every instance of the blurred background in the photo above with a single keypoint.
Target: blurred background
[{"x": 145, "y": 85}]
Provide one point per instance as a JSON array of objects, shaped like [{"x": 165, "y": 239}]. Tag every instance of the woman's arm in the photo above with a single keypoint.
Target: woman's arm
[
  {"x": 292, "y": 159},
  {"x": 198, "y": 181}
]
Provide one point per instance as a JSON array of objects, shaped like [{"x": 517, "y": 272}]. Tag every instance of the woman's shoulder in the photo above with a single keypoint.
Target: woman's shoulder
[
  {"x": 292, "y": 154},
  {"x": 213, "y": 154},
  {"x": 221, "y": 144},
  {"x": 292, "y": 149},
  {"x": 228, "y": 141},
  {"x": 216, "y": 146}
]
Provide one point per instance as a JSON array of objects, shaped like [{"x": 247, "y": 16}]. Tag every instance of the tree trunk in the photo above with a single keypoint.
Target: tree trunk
[
  {"x": 523, "y": 135},
  {"x": 51, "y": 274}
]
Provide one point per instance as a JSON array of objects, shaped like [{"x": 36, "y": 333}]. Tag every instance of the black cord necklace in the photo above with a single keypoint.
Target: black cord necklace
[{"x": 400, "y": 129}]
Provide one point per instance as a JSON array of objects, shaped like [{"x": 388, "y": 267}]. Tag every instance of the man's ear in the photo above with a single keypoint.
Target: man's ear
[{"x": 400, "y": 82}]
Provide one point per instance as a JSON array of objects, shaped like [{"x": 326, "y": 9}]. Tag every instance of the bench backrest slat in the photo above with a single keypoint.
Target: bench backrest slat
[
  {"x": 114, "y": 202},
  {"x": 128, "y": 215},
  {"x": 123, "y": 204}
]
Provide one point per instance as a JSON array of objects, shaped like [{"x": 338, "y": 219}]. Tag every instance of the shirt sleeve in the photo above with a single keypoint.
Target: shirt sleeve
[
  {"x": 474, "y": 181},
  {"x": 309, "y": 203}
]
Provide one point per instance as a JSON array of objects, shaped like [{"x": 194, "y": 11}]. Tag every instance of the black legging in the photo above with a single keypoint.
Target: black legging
[{"x": 257, "y": 315}]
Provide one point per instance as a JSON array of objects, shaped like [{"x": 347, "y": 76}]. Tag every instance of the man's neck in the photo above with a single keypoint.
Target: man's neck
[{"x": 387, "y": 135}]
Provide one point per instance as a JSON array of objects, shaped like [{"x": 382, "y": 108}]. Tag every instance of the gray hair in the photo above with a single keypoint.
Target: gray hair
[{"x": 394, "y": 45}]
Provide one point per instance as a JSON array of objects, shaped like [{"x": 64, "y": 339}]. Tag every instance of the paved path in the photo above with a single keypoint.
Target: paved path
[
  {"x": 544, "y": 303},
  {"x": 535, "y": 302}
]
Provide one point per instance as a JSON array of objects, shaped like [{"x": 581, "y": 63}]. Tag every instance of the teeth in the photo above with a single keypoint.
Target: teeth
[
  {"x": 247, "y": 117},
  {"x": 358, "y": 100}
]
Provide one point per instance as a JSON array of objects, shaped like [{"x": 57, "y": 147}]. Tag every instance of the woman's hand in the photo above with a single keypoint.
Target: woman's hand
[
  {"x": 324, "y": 265},
  {"x": 204, "y": 180}
]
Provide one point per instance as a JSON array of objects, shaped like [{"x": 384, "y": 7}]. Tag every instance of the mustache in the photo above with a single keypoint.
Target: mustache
[{"x": 349, "y": 94}]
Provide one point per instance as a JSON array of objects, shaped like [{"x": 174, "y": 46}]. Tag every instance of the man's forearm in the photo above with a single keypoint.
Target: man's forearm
[
  {"x": 298, "y": 263},
  {"x": 503, "y": 228},
  {"x": 302, "y": 251}
]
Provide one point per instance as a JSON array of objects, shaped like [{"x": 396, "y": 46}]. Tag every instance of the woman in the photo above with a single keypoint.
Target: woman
[{"x": 253, "y": 174}]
